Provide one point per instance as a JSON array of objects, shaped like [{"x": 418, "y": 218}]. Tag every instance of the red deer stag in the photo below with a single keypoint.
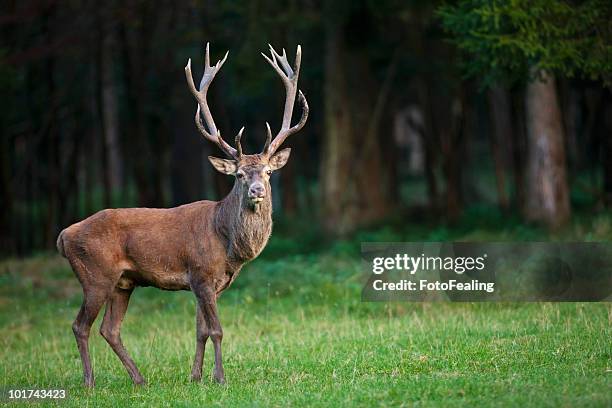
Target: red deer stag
[{"x": 199, "y": 246}]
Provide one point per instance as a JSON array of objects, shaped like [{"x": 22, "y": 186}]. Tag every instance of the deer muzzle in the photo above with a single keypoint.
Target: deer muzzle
[{"x": 257, "y": 192}]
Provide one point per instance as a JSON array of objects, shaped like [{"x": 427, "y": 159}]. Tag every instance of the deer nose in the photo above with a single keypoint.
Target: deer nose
[{"x": 257, "y": 190}]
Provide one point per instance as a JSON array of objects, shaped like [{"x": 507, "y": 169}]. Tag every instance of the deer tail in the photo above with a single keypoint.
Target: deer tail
[{"x": 60, "y": 243}]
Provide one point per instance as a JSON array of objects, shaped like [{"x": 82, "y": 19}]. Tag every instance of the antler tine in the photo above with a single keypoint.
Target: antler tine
[
  {"x": 237, "y": 142},
  {"x": 289, "y": 77},
  {"x": 284, "y": 134},
  {"x": 213, "y": 133},
  {"x": 268, "y": 139},
  {"x": 283, "y": 60},
  {"x": 218, "y": 140}
]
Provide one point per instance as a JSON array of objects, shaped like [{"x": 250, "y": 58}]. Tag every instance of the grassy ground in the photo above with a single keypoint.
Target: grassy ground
[{"x": 296, "y": 333}]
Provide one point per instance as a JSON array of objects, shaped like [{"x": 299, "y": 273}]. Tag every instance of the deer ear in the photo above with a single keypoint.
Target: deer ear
[
  {"x": 279, "y": 159},
  {"x": 223, "y": 165}
]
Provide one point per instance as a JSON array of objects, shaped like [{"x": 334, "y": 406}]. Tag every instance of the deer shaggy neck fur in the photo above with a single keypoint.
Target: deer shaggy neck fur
[{"x": 245, "y": 227}]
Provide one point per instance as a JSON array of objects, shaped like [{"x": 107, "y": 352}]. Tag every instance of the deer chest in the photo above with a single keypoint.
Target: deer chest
[{"x": 226, "y": 280}]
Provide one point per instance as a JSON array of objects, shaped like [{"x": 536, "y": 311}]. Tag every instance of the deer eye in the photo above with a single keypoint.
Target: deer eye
[
  {"x": 240, "y": 175},
  {"x": 268, "y": 172}
]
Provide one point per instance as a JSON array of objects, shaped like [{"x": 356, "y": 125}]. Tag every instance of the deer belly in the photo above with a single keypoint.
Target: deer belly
[{"x": 167, "y": 280}]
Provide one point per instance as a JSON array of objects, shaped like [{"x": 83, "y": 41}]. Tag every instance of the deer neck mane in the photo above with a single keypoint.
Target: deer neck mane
[{"x": 245, "y": 227}]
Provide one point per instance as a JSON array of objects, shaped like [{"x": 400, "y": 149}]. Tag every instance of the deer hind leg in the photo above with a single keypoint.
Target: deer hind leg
[
  {"x": 97, "y": 287},
  {"x": 111, "y": 330},
  {"x": 202, "y": 334},
  {"x": 92, "y": 303}
]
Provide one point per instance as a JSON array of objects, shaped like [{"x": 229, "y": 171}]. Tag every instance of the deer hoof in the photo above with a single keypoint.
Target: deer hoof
[
  {"x": 140, "y": 382},
  {"x": 219, "y": 379}
]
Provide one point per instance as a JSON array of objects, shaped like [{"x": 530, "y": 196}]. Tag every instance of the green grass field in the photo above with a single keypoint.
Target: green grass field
[{"x": 296, "y": 333}]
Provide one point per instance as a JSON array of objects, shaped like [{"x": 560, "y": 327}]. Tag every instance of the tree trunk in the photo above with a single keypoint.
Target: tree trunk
[
  {"x": 354, "y": 184},
  {"x": 288, "y": 189},
  {"x": 519, "y": 150},
  {"x": 54, "y": 139},
  {"x": 547, "y": 187},
  {"x": 502, "y": 131},
  {"x": 109, "y": 114},
  {"x": 187, "y": 151},
  {"x": 429, "y": 143},
  {"x": 570, "y": 109},
  {"x": 339, "y": 214},
  {"x": 452, "y": 138},
  {"x": 606, "y": 135},
  {"x": 7, "y": 238},
  {"x": 136, "y": 44}
]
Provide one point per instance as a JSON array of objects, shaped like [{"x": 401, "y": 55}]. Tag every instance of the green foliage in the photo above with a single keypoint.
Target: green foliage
[{"x": 504, "y": 39}]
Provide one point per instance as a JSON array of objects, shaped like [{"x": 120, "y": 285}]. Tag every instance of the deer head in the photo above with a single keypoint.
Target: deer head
[{"x": 252, "y": 171}]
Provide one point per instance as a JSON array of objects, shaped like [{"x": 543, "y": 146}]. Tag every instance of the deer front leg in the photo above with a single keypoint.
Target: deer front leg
[
  {"x": 217, "y": 337},
  {"x": 207, "y": 302},
  {"x": 202, "y": 334}
]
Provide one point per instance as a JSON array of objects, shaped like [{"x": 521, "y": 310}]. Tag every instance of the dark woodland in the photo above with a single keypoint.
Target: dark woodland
[{"x": 418, "y": 110}]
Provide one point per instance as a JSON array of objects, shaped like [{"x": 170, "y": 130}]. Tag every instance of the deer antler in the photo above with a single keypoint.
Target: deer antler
[
  {"x": 289, "y": 77},
  {"x": 213, "y": 133}
]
